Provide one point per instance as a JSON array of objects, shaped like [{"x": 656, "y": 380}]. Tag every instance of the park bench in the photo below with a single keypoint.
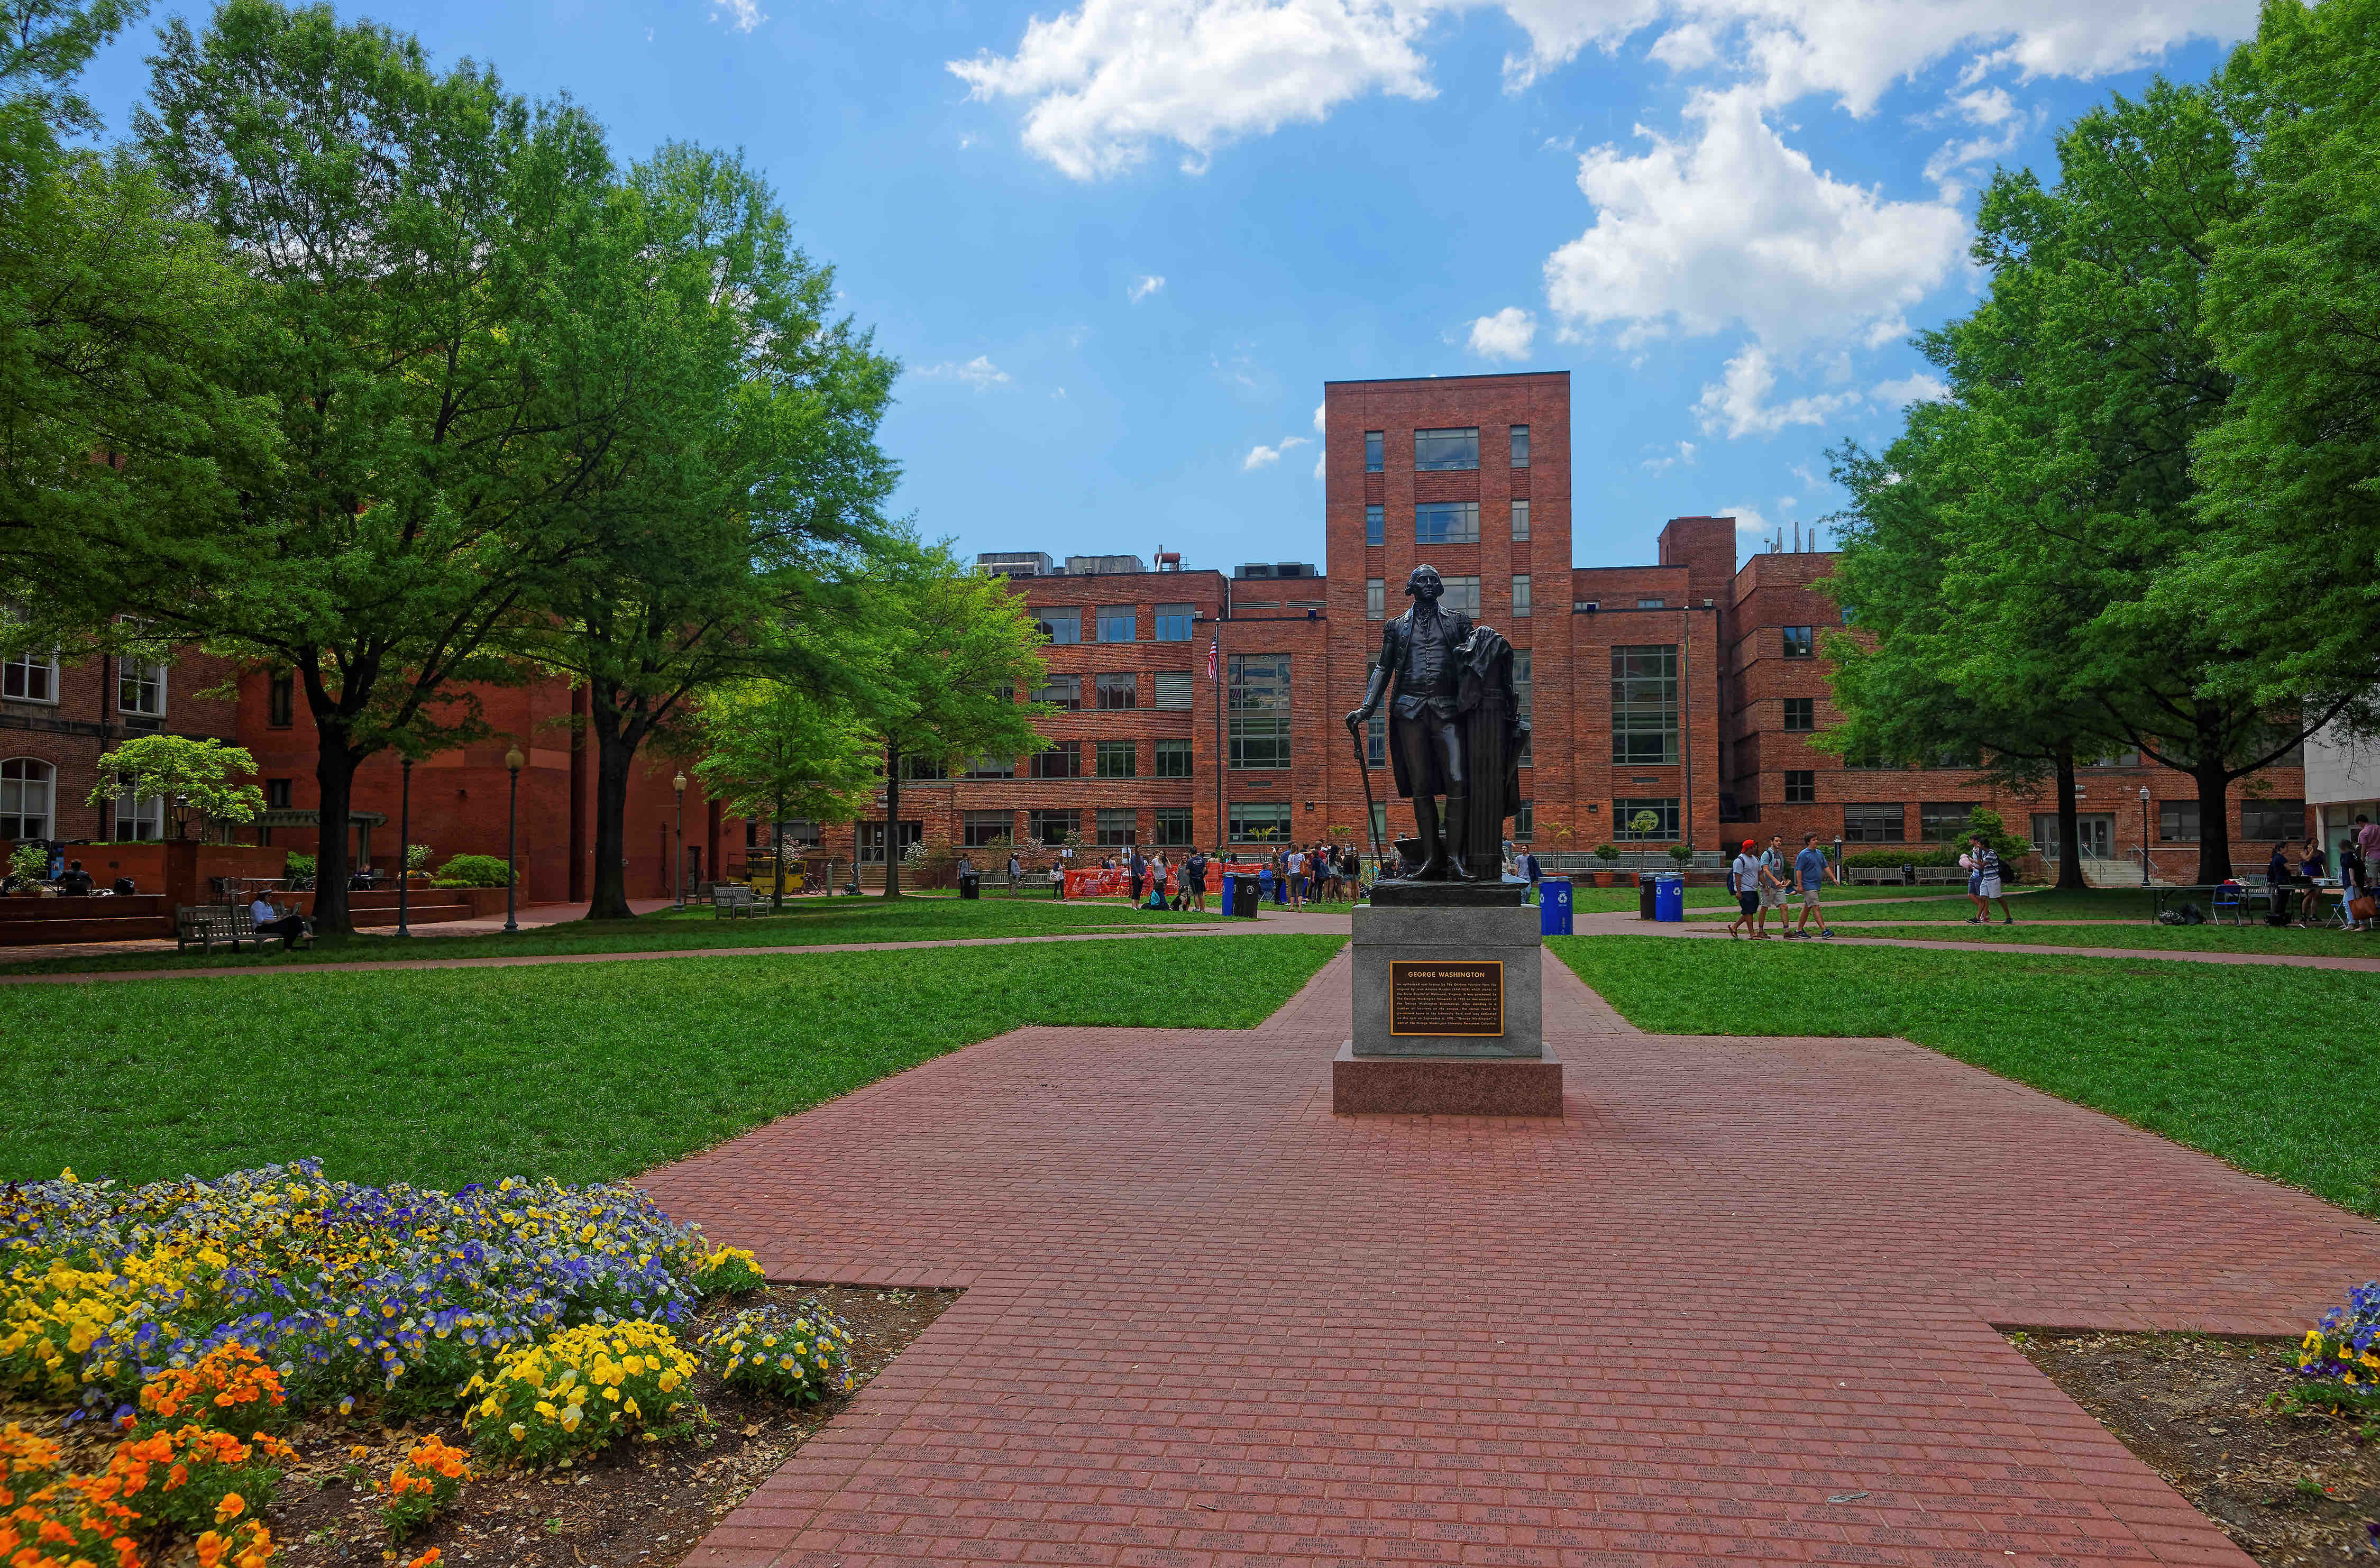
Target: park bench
[
  {"x": 204, "y": 925},
  {"x": 730, "y": 899}
]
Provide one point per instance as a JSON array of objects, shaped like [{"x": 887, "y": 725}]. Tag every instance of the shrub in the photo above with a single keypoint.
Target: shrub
[
  {"x": 296, "y": 865},
  {"x": 229, "y": 1389},
  {"x": 1893, "y": 860},
  {"x": 731, "y": 1270},
  {"x": 2339, "y": 1362},
  {"x": 1606, "y": 852},
  {"x": 426, "y": 1481},
  {"x": 803, "y": 1355},
  {"x": 475, "y": 871},
  {"x": 578, "y": 1391},
  {"x": 28, "y": 862}
]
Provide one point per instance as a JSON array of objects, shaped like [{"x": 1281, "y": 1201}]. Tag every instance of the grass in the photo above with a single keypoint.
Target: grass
[
  {"x": 2255, "y": 938},
  {"x": 1952, "y": 903},
  {"x": 580, "y": 1072},
  {"x": 811, "y": 922},
  {"x": 2269, "y": 1069}
]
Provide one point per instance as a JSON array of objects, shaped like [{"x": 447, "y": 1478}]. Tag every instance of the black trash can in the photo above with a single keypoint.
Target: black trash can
[
  {"x": 1241, "y": 895},
  {"x": 970, "y": 885},
  {"x": 1646, "y": 883}
]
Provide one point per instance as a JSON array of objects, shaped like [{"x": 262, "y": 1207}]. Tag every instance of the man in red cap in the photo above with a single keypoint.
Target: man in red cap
[{"x": 1744, "y": 878}]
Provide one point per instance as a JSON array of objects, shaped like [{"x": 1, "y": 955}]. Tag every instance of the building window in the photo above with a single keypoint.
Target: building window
[
  {"x": 1119, "y": 759},
  {"x": 2124, "y": 756},
  {"x": 2265, "y": 820},
  {"x": 1061, "y": 691},
  {"x": 983, "y": 829},
  {"x": 1174, "y": 827},
  {"x": 1375, "y": 453},
  {"x": 1644, "y": 704},
  {"x": 871, "y": 841},
  {"x": 1462, "y": 596},
  {"x": 140, "y": 687},
  {"x": 26, "y": 790},
  {"x": 1520, "y": 595},
  {"x": 276, "y": 794},
  {"x": 2177, "y": 821},
  {"x": 989, "y": 767},
  {"x": 1876, "y": 822},
  {"x": 1652, "y": 603},
  {"x": 1801, "y": 714},
  {"x": 1064, "y": 760},
  {"x": 1799, "y": 643},
  {"x": 1446, "y": 522},
  {"x": 138, "y": 819},
  {"x": 1053, "y": 827},
  {"x": 1436, "y": 449},
  {"x": 1173, "y": 759},
  {"x": 1375, "y": 598},
  {"x": 918, "y": 768},
  {"x": 1523, "y": 660},
  {"x": 1801, "y": 786},
  {"x": 1520, "y": 446},
  {"x": 1118, "y": 623},
  {"x": 1942, "y": 821},
  {"x": 1524, "y": 821},
  {"x": 1063, "y": 625},
  {"x": 1259, "y": 821},
  {"x": 1172, "y": 689},
  {"x": 1119, "y": 825},
  {"x": 1258, "y": 705},
  {"x": 1644, "y": 821},
  {"x": 1520, "y": 521},
  {"x": 1375, "y": 525},
  {"x": 1375, "y": 741},
  {"x": 1173, "y": 622},
  {"x": 1119, "y": 691},
  {"x": 31, "y": 678},
  {"x": 281, "y": 699}
]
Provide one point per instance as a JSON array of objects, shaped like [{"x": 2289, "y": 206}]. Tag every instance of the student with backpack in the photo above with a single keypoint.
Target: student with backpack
[
  {"x": 1985, "y": 883},
  {"x": 1744, "y": 881}
]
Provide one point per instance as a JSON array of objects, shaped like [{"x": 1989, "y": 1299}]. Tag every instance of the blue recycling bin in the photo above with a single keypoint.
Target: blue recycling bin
[
  {"x": 1669, "y": 899},
  {"x": 1553, "y": 907}
]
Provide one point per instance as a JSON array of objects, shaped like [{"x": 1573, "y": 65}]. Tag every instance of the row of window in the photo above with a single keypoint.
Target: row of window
[
  {"x": 1443, "y": 522},
  {"x": 1109, "y": 759},
  {"x": 28, "y": 804},
  {"x": 1439, "y": 450},
  {"x": 1116, "y": 624},
  {"x": 34, "y": 677},
  {"x": 1945, "y": 821},
  {"x": 1460, "y": 598}
]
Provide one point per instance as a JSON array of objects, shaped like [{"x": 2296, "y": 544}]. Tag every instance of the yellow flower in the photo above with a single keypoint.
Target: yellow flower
[{"x": 518, "y": 1432}]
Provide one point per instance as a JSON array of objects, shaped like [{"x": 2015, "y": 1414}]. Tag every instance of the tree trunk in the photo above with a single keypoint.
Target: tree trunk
[
  {"x": 891, "y": 823},
  {"x": 334, "y": 779},
  {"x": 2214, "y": 824},
  {"x": 615, "y": 752},
  {"x": 2070, "y": 824}
]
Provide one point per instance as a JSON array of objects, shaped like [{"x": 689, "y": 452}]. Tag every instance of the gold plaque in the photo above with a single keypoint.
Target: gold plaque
[{"x": 1446, "y": 996}]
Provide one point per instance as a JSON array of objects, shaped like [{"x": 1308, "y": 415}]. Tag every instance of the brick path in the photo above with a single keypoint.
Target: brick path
[{"x": 1209, "y": 1324}]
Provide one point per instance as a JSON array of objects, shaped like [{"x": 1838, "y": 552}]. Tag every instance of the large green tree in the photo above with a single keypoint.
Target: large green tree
[{"x": 774, "y": 749}]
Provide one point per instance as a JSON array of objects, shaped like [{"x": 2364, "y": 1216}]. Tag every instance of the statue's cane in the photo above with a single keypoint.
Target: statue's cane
[{"x": 1371, "y": 818}]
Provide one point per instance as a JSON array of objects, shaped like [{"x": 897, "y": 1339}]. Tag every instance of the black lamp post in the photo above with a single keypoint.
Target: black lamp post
[
  {"x": 2144, "y": 836},
  {"x": 678, "y": 783},
  {"x": 403, "y": 845},
  {"x": 513, "y": 761}
]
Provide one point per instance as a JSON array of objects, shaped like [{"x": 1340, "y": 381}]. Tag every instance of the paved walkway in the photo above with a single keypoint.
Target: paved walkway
[{"x": 1738, "y": 1304}]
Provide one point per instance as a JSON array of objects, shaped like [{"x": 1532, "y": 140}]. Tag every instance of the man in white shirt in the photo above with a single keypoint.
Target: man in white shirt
[
  {"x": 1744, "y": 878},
  {"x": 269, "y": 922}
]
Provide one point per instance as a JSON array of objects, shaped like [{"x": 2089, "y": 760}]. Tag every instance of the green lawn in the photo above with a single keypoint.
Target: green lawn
[
  {"x": 2268, "y": 1068},
  {"x": 2253, "y": 938},
  {"x": 810, "y": 921},
  {"x": 580, "y": 1072},
  {"x": 1952, "y": 904}
]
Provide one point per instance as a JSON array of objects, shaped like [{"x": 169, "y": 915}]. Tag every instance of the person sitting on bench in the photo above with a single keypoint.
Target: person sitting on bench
[
  {"x": 270, "y": 922},
  {"x": 2278, "y": 879}
]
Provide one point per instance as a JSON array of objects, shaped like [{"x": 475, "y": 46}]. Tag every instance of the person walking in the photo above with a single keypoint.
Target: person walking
[
  {"x": 1057, "y": 879},
  {"x": 1139, "y": 870},
  {"x": 2312, "y": 871},
  {"x": 1772, "y": 882},
  {"x": 1194, "y": 878},
  {"x": 1987, "y": 882},
  {"x": 1811, "y": 871},
  {"x": 1534, "y": 871},
  {"x": 1743, "y": 879},
  {"x": 1016, "y": 871}
]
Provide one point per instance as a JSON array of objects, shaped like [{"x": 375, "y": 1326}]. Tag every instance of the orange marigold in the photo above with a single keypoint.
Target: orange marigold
[{"x": 230, "y": 1381}]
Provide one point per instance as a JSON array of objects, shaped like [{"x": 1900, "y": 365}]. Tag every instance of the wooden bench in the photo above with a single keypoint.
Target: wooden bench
[
  {"x": 204, "y": 925},
  {"x": 730, "y": 899}
]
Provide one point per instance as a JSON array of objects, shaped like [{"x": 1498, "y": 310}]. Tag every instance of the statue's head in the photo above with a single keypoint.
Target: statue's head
[{"x": 1424, "y": 585}]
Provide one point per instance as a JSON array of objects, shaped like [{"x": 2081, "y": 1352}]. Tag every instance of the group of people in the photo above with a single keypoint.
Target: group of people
[
  {"x": 1762, "y": 879},
  {"x": 2299, "y": 869}
]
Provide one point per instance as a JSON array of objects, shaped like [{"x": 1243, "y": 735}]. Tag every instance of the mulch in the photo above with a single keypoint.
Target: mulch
[{"x": 2289, "y": 1488}]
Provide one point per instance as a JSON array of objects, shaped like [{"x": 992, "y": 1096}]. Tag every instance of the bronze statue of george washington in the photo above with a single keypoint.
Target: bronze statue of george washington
[{"x": 1454, "y": 718}]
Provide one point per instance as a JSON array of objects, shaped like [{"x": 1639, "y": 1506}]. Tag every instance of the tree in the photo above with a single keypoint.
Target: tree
[
  {"x": 957, "y": 648},
  {"x": 189, "y": 775},
  {"x": 772, "y": 751}
]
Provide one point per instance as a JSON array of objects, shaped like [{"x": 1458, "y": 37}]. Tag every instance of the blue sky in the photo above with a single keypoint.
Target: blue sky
[{"x": 1119, "y": 244}]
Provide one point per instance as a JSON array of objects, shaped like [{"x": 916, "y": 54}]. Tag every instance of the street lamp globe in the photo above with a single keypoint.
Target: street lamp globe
[
  {"x": 678, "y": 783},
  {"x": 515, "y": 760}
]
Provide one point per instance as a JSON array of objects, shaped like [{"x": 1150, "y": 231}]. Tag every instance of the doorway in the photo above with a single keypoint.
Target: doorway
[{"x": 2094, "y": 835}]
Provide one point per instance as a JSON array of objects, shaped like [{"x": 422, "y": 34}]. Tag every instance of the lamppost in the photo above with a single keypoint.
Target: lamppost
[
  {"x": 404, "y": 847},
  {"x": 678, "y": 783},
  {"x": 513, "y": 761},
  {"x": 2144, "y": 836}
]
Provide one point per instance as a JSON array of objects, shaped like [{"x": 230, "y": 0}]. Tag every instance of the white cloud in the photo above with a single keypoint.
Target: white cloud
[
  {"x": 1733, "y": 227},
  {"x": 1144, "y": 287},
  {"x": 1918, "y": 388},
  {"x": 1750, "y": 524},
  {"x": 1318, "y": 419},
  {"x": 1662, "y": 464},
  {"x": 1318, "y": 463},
  {"x": 1738, "y": 402},
  {"x": 1510, "y": 334},
  {"x": 978, "y": 372},
  {"x": 741, "y": 14},
  {"x": 1263, "y": 456}
]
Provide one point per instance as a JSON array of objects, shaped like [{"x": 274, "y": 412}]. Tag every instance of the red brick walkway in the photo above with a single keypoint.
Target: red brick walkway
[{"x": 1207, "y": 1323}]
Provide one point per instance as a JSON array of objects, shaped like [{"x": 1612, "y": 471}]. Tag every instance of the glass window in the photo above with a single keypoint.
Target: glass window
[
  {"x": 1061, "y": 625},
  {"x": 1644, "y": 704},
  {"x": 1119, "y": 825},
  {"x": 1118, "y": 623},
  {"x": 1520, "y": 446},
  {"x": 982, "y": 829},
  {"x": 1524, "y": 673},
  {"x": 1446, "y": 522},
  {"x": 1801, "y": 714},
  {"x": 1173, "y": 622},
  {"x": 1062, "y": 691},
  {"x": 1801, "y": 786},
  {"x": 1799, "y": 643},
  {"x": 1375, "y": 598},
  {"x": 2177, "y": 821},
  {"x": 1119, "y": 690},
  {"x": 1375, "y": 525},
  {"x": 140, "y": 687},
  {"x": 989, "y": 767},
  {"x": 1172, "y": 689},
  {"x": 1435, "y": 449},
  {"x": 1652, "y": 603},
  {"x": 281, "y": 699},
  {"x": 1257, "y": 701},
  {"x": 1644, "y": 821},
  {"x": 1263, "y": 822},
  {"x": 1172, "y": 826},
  {"x": 871, "y": 841},
  {"x": 1376, "y": 741},
  {"x": 1520, "y": 520},
  {"x": 1173, "y": 759},
  {"x": 921, "y": 768},
  {"x": 1374, "y": 452},
  {"x": 1119, "y": 759},
  {"x": 137, "y": 818},
  {"x": 1520, "y": 595},
  {"x": 1942, "y": 821},
  {"x": 1064, "y": 760},
  {"x": 1874, "y": 822},
  {"x": 276, "y": 794},
  {"x": 27, "y": 789},
  {"x": 31, "y": 678},
  {"x": 1053, "y": 827},
  {"x": 1525, "y": 823},
  {"x": 1462, "y": 596},
  {"x": 2121, "y": 756},
  {"x": 2272, "y": 819}
]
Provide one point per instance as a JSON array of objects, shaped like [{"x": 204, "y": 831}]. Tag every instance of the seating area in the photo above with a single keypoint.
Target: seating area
[
  {"x": 730, "y": 899},
  {"x": 204, "y": 925}
]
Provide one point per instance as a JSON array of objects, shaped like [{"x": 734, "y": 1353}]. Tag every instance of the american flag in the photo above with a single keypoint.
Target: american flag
[{"x": 1211, "y": 646}]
